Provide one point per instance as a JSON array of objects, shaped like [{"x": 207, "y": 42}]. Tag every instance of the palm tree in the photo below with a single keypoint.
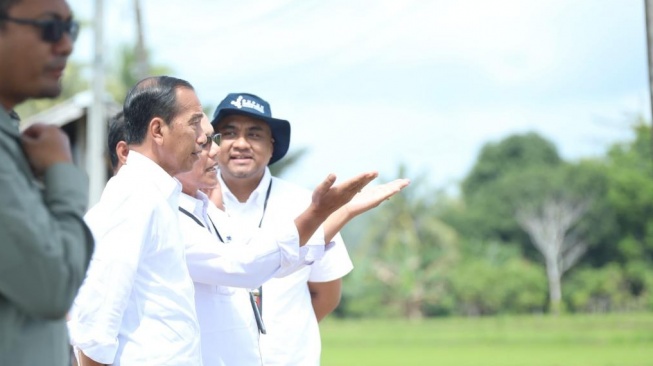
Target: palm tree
[{"x": 405, "y": 253}]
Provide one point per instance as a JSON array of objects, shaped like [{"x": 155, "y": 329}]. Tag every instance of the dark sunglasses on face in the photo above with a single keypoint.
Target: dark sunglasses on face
[{"x": 52, "y": 30}]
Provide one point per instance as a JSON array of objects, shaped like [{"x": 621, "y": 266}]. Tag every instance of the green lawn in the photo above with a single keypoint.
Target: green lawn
[{"x": 579, "y": 340}]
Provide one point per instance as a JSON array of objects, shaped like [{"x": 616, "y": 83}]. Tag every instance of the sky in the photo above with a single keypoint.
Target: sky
[{"x": 374, "y": 84}]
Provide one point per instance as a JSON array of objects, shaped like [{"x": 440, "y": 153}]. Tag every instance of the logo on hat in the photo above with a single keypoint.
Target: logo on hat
[{"x": 241, "y": 102}]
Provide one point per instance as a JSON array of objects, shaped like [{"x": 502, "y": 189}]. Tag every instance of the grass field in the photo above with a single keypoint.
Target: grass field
[{"x": 579, "y": 340}]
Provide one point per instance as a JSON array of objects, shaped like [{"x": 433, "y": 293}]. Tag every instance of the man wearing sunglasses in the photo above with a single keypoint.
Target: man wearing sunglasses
[{"x": 45, "y": 247}]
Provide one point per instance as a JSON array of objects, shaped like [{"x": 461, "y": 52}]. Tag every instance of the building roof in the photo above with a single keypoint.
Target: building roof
[{"x": 71, "y": 110}]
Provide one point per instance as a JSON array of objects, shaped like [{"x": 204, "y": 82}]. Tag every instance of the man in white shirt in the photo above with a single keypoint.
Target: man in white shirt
[
  {"x": 293, "y": 305},
  {"x": 223, "y": 269},
  {"x": 136, "y": 306},
  {"x": 227, "y": 314}
]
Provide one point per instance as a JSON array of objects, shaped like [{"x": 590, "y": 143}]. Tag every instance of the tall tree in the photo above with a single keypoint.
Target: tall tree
[
  {"x": 549, "y": 203},
  {"x": 630, "y": 171},
  {"x": 404, "y": 256},
  {"x": 483, "y": 213},
  {"x": 548, "y": 226},
  {"x": 513, "y": 153}
]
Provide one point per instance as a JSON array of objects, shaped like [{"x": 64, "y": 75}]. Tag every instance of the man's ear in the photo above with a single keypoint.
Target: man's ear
[
  {"x": 157, "y": 129},
  {"x": 122, "y": 150}
]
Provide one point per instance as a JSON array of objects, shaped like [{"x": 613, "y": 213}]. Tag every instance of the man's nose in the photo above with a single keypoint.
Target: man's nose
[
  {"x": 241, "y": 141},
  {"x": 202, "y": 139},
  {"x": 215, "y": 149},
  {"x": 64, "y": 47}
]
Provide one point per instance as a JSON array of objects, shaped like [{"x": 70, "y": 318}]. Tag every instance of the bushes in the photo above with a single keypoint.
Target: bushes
[
  {"x": 480, "y": 287},
  {"x": 610, "y": 288}
]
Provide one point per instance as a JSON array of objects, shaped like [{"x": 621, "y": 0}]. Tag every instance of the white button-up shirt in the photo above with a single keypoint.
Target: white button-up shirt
[
  {"x": 293, "y": 336},
  {"x": 136, "y": 306},
  {"x": 228, "y": 327}
]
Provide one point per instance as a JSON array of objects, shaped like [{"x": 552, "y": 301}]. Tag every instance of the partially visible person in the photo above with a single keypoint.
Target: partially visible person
[
  {"x": 118, "y": 150},
  {"x": 136, "y": 306},
  {"x": 292, "y": 305},
  {"x": 116, "y": 142},
  {"x": 45, "y": 244},
  {"x": 215, "y": 196}
]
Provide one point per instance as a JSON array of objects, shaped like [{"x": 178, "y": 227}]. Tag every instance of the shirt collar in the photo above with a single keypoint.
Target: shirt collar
[
  {"x": 257, "y": 197},
  {"x": 197, "y": 205},
  {"x": 148, "y": 170}
]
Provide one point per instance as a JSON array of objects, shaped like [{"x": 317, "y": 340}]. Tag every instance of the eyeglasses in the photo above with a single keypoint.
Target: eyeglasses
[
  {"x": 52, "y": 30},
  {"x": 216, "y": 138}
]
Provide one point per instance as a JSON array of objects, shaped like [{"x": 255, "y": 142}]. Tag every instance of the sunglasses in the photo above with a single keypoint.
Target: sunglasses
[
  {"x": 216, "y": 138},
  {"x": 52, "y": 30}
]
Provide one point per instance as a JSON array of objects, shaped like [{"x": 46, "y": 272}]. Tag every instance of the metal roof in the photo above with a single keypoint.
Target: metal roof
[{"x": 71, "y": 110}]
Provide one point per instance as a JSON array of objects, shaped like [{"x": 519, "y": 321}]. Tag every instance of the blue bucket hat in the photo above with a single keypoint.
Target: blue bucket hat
[{"x": 250, "y": 105}]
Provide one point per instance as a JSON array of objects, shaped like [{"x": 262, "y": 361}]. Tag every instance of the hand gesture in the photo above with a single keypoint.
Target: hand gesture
[
  {"x": 44, "y": 146},
  {"x": 363, "y": 201},
  {"x": 328, "y": 198},
  {"x": 371, "y": 197}
]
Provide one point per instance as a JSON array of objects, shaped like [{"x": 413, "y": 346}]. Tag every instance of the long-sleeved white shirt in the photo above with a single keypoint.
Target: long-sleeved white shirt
[
  {"x": 229, "y": 332},
  {"x": 293, "y": 336},
  {"x": 136, "y": 306}
]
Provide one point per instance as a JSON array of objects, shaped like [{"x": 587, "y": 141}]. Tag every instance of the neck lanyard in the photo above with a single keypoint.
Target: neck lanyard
[
  {"x": 265, "y": 203},
  {"x": 216, "y": 229},
  {"x": 257, "y": 301},
  {"x": 185, "y": 212}
]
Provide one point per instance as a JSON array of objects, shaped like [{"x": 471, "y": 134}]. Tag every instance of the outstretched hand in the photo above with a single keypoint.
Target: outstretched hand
[
  {"x": 363, "y": 201},
  {"x": 373, "y": 196},
  {"x": 328, "y": 198}
]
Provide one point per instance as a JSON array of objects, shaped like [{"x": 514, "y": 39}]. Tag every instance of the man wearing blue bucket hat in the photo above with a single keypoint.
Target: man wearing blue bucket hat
[{"x": 291, "y": 306}]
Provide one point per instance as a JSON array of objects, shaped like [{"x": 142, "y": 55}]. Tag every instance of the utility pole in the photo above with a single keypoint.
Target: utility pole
[
  {"x": 142, "y": 64},
  {"x": 96, "y": 125},
  {"x": 648, "y": 9}
]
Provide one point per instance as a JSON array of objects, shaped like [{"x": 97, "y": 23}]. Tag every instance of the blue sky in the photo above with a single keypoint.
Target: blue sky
[{"x": 371, "y": 84}]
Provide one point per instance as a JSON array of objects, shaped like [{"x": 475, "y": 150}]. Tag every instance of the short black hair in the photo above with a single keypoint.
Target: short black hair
[
  {"x": 115, "y": 135},
  {"x": 149, "y": 98}
]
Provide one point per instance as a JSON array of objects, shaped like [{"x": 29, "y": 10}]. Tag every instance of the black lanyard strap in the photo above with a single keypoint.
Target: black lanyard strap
[
  {"x": 185, "y": 212},
  {"x": 265, "y": 203},
  {"x": 258, "y": 305},
  {"x": 216, "y": 230}
]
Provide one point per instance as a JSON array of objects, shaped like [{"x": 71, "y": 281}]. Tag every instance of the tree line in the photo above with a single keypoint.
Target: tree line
[{"x": 528, "y": 233}]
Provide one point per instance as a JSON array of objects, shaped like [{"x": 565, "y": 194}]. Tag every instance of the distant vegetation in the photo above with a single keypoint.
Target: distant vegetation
[{"x": 529, "y": 233}]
